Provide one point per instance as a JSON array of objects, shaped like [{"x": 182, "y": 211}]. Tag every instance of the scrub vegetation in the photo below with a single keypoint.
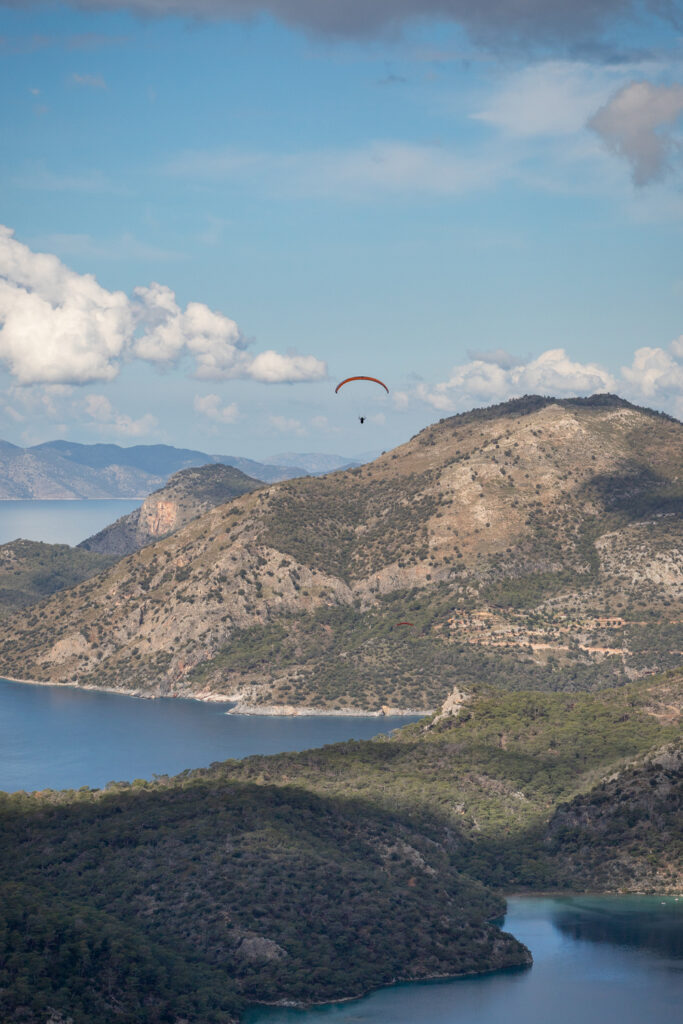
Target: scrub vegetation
[{"x": 315, "y": 876}]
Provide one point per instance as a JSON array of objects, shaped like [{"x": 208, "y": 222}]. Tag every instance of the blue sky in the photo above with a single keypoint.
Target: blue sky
[{"x": 234, "y": 213}]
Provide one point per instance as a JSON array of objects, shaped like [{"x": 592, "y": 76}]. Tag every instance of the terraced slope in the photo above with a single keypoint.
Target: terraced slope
[{"x": 535, "y": 544}]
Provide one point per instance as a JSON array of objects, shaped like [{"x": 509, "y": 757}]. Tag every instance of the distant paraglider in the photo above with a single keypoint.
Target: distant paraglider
[
  {"x": 405, "y": 623},
  {"x": 373, "y": 380},
  {"x": 347, "y": 380}
]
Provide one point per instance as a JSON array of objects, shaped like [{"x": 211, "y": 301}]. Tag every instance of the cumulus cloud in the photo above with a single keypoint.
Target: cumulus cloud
[
  {"x": 100, "y": 409},
  {"x": 637, "y": 124},
  {"x": 656, "y": 375},
  {"x": 551, "y": 373},
  {"x": 210, "y": 406},
  {"x": 493, "y": 21},
  {"x": 495, "y": 356},
  {"x": 61, "y": 327}
]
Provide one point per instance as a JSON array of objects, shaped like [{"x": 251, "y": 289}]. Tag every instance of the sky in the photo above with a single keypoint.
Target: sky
[{"x": 214, "y": 210}]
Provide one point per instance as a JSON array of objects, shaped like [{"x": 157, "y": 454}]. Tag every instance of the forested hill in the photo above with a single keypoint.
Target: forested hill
[
  {"x": 535, "y": 544},
  {"x": 315, "y": 876}
]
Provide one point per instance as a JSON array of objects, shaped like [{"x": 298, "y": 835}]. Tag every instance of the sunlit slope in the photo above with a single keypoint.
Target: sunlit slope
[
  {"x": 534, "y": 544},
  {"x": 186, "y": 495}
]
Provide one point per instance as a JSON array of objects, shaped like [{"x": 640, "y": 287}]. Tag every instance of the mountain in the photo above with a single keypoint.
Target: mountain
[
  {"x": 531, "y": 545},
  {"x": 316, "y": 876},
  {"x": 314, "y": 463},
  {"x": 67, "y": 470},
  {"x": 30, "y": 571},
  {"x": 188, "y": 494}
]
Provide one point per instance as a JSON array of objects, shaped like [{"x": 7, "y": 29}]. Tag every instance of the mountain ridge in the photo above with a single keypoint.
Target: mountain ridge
[
  {"x": 536, "y": 544},
  {"x": 65, "y": 470}
]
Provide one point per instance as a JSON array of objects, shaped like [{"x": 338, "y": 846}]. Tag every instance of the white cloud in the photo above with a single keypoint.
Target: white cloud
[
  {"x": 550, "y": 98},
  {"x": 551, "y": 373},
  {"x": 61, "y": 327},
  {"x": 100, "y": 409},
  {"x": 286, "y": 425},
  {"x": 656, "y": 375},
  {"x": 57, "y": 326},
  {"x": 272, "y": 368},
  {"x": 496, "y": 356},
  {"x": 637, "y": 124},
  {"x": 210, "y": 406}
]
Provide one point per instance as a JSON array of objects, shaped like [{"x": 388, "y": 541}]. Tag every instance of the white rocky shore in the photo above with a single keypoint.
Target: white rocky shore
[{"x": 293, "y": 711}]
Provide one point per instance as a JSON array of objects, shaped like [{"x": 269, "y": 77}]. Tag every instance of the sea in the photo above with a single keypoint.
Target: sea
[
  {"x": 59, "y": 522},
  {"x": 597, "y": 959},
  {"x": 61, "y": 737}
]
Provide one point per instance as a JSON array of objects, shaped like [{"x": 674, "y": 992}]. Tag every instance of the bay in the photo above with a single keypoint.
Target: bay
[
  {"x": 60, "y": 737},
  {"x": 60, "y": 522},
  {"x": 596, "y": 959}
]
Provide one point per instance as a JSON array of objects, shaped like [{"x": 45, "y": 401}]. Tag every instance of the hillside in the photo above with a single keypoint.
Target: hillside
[
  {"x": 67, "y": 470},
  {"x": 319, "y": 875},
  {"x": 533, "y": 545},
  {"x": 188, "y": 494},
  {"x": 30, "y": 571}
]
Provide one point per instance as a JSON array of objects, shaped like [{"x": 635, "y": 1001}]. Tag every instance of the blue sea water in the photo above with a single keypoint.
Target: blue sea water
[
  {"x": 59, "y": 522},
  {"x": 597, "y": 960},
  {"x": 60, "y": 737}
]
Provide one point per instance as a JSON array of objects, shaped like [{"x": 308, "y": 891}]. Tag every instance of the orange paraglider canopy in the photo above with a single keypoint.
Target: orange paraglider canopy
[{"x": 373, "y": 379}]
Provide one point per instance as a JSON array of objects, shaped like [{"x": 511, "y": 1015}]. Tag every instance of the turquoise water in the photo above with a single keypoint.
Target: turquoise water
[
  {"x": 59, "y": 522},
  {"x": 60, "y": 737},
  {"x": 597, "y": 960}
]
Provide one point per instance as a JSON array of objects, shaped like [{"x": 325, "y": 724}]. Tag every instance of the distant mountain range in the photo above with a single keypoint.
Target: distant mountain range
[{"x": 68, "y": 470}]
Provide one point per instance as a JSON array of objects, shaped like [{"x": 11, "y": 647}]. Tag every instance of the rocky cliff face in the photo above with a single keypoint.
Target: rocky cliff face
[
  {"x": 188, "y": 494},
  {"x": 532, "y": 544}
]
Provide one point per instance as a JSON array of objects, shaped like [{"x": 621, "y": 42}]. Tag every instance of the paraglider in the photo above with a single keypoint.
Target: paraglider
[
  {"x": 347, "y": 380},
  {"x": 373, "y": 380},
  {"x": 405, "y": 623}
]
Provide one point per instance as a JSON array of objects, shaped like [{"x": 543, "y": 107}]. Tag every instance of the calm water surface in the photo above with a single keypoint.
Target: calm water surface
[
  {"x": 59, "y": 522},
  {"x": 597, "y": 960},
  {"x": 60, "y": 737}
]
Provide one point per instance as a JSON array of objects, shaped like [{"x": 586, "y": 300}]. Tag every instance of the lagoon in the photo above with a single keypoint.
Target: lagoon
[
  {"x": 60, "y": 737},
  {"x": 597, "y": 960}
]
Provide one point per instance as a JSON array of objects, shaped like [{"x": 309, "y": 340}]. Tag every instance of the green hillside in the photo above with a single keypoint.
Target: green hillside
[{"x": 315, "y": 876}]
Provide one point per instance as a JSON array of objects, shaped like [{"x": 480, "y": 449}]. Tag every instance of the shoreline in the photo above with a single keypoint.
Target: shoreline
[
  {"x": 395, "y": 983},
  {"x": 238, "y": 708}
]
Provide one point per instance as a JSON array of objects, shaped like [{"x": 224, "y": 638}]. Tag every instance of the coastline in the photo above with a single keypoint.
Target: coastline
[
  {"x": 395, "y": 983},
  {"x": 238, "y": 708}
]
